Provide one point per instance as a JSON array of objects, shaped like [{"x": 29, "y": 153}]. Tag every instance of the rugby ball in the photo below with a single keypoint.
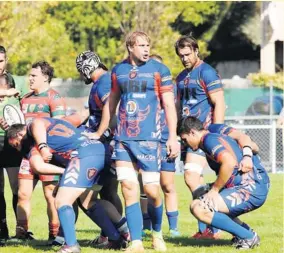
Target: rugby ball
[{"x": 13, "y": 115}]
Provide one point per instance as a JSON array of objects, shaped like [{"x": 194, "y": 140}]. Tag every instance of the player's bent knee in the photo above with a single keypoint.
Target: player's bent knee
[
  {"x": 168, "y": 188},
  {"x": 150, "y": 178},
  {"x": 193, "y": 167},
  {"x": 126, "y": 174}
]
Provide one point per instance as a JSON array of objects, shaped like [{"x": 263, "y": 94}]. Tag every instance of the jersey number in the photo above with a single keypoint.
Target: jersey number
[{"x": 61, "y": 130}]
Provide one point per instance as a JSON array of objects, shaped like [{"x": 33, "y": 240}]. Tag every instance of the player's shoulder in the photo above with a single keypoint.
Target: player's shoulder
[
  {"x": 29, "y": 94},
  {"x": 219, "y": 128},
  {"x": 120, "y": 66},
  {"x": 206, "y": 68},
  {"x": 105, "y": 78},
  {"x": 53, "y": 94}
]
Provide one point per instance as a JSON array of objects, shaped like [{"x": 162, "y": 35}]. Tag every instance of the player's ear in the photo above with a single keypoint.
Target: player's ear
[{"x": 196, "y": 52}]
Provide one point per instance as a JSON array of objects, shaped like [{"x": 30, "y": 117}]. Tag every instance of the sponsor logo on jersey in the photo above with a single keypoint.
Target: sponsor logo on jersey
[
  {"x": 134, "y": 86},
  {"x": 146, "y": 157},
  {"x": 132, "y": 74},
  {"x": 131, "y": 108},
  {"x": 186, "y": 81},
  {"x": 91, "y": 173},
  {"x": 59, "y": 108},
  {"x": 138, "y": 95}
]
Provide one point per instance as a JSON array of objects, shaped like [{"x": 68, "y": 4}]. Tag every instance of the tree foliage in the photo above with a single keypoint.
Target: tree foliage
[{"x": 58, "y": 31}]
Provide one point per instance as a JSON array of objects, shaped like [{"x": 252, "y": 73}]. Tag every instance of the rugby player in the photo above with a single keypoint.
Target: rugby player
[
  {"x": 201, "y": 95},
  {"x": 234, "y": 192}
]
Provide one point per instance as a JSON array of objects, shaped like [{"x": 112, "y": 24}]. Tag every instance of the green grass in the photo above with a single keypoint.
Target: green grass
[{"x": 267, "y": 221}]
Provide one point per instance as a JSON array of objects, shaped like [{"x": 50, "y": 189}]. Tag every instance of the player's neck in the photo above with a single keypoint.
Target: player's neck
[
  {"x": 97, "y": 74},
  {"x": 203, "y": 133},
  {"x": 197, "y": 63},
  {"x": 41, "y": 89},
  {"x": 135, "y": 62}
]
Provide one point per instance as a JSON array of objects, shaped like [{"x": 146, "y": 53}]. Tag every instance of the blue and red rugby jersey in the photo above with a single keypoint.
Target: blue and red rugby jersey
[
  {"x": 194, "y": 88},
  {"x": 140, "y": 88}
]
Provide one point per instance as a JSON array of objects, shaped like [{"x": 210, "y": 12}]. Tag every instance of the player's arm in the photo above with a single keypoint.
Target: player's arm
[
  {"x": 244, "y": 140},
  {"x": 213, "y": 85},
  {"x": 9, "y": 92},
  {"x": 40, "y": 167},
  {"x": 228, "y": 163},
  {"x": 38, "y": 130},
  {"x": 57, "y": 106},
  {"x": 218, "y": 100}
]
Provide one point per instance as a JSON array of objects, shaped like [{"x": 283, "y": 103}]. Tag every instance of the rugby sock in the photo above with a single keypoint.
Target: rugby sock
[
  {"x": 15, "y": 202},
  {"x": 244, "y": 225},
  {"x": 172, "y": 219},
  {"x": 67, "y": 220},
  {"x": 156, "y": 215},
  {"x": 147, "y": 224},
  {"x": 122, "y": 226},
  {"x": 98, "y": 215},
  {"x": 2, "y": 209},
  {"x": 214, "y": 230},
  {"x": 201, "y": 226},
  {"x": 224, "y": 222},
  {"x": 53, "y": 229},
  {"x": 134, "y": 221}
]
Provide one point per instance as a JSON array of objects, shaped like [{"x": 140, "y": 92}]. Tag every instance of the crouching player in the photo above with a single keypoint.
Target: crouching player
[
  {"x": 234, "y": 192},
  {"x": 85, "y": 159}
]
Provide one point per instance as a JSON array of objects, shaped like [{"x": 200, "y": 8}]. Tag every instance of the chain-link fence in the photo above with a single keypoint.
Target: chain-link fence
[{"x": 264, "y": 131}]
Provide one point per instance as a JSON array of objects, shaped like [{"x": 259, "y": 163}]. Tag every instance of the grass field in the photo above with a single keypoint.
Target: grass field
[{"x": 267, "y": 221}]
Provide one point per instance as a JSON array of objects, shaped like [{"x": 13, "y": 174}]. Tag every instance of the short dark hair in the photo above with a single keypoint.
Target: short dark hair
[
  {"x": 157, "y": 57},
  {"x": 14, "y": 130},
  {"x": 46, "y": 69},
  {"x": 186, "y": 124},
  {"x": 186, "y": 41},
  {"x": 2, "y": 50}
]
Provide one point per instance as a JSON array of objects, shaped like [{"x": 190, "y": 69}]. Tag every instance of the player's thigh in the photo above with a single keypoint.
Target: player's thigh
[
  {"x": 67, "y": 195},
  {"x": 48, "y": 188},
  {"x": 26, "y": 187},
  {"x": 13, "y": 178}
]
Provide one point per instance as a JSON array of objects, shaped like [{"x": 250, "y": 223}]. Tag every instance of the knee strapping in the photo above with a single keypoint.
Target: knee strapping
[
  {"x": 194, "y": 167},
  {"x": 150, "y": 177},
  {"x": 126, "y": 173}
]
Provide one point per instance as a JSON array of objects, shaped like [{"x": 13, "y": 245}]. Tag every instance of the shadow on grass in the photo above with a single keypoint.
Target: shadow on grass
[{"x": 185, "y": 241}]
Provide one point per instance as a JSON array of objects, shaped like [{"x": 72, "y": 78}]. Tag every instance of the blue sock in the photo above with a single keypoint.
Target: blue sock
[
  {"x": 67, "y": 221},
  {"x": 147, "y": 224},
  {"x": 213, "y": 229},
  {"x": 134, "y": 221},
  {"x": 156, "y": 215},
  {"x": 172, "y": 219},
  {"x": 201, "y": 226},
  {"x": 246, "y": 226},
  {"x": 98, "y": 215},
  {"x": 224, "y": 222}
]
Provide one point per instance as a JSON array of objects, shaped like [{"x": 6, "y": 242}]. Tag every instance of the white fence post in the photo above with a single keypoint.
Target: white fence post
[{"x": 273, "y": 146}]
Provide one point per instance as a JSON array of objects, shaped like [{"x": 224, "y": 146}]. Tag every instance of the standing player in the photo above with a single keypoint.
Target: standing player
[
  {"x": 94, "y": 71},
  {"x": 9, "y": 158},
  {"x": 41, "y": 102},
  {"x": 167, "y": 181},
  {"x": 234, "y": 192},
  {"x": 201, "y": 95},
  {"x": 140, "y": 83}
]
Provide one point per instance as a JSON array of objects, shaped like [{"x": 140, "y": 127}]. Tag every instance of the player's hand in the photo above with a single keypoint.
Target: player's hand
[
  {"x": 12, "y": 92},
  {"x": 246, "y": 164},
  {"x": 173, "y": 148},
  {"x": 92, "y": 136},
  {"x": 3, "y": 124},
  {"x": 46, "y": 154},
  {"x": 210, "y": 199}
]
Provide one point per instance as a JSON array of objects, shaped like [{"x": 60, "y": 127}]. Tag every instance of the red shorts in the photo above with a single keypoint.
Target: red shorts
[{"x": 26, "y": 172}]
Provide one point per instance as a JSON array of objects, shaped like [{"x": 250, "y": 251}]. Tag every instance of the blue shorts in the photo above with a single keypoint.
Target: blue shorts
[
  {"x": 167, "y": 164},
  {"x": 84, "y": 169},
  {"x": 241, "y": 199},
  {"x": 146, "y": 154}
]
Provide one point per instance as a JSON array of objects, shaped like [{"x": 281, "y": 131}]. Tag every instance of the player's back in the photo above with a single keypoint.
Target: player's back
[
  {"x": 215, "y": 145},
  {"x": 97, "y": 98}
]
